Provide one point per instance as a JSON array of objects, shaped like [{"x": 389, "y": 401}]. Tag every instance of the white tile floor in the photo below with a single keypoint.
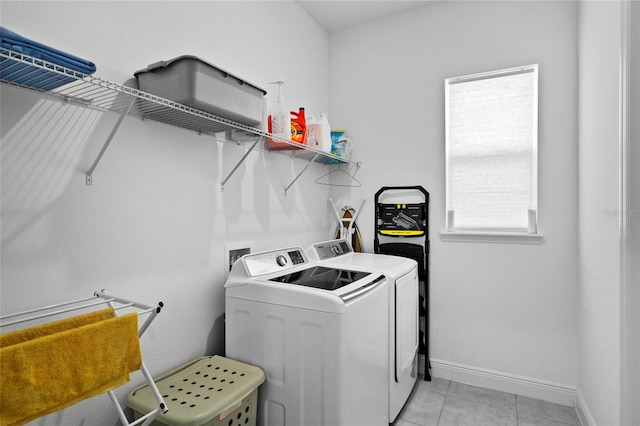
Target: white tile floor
[{"x": 447, "y": 403}]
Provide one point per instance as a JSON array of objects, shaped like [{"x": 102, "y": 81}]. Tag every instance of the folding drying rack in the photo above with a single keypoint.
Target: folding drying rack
[{"x": 120, "y": 306}]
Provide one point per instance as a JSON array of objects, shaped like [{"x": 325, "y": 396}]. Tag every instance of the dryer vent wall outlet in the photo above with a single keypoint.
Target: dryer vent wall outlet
[
  {"x": 234, "y": 251},
  {"x": 237, "y": 254}
]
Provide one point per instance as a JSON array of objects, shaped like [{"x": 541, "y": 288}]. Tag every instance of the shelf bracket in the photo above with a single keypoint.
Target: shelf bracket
[
  {"x": 246, "y": 154},
  {"x": 89, "y": 176},
  {"x": 300, "y": 174}
]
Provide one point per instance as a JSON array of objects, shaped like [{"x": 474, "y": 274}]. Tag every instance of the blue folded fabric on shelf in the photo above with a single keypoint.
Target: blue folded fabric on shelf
[
  {"x": 18, "y": 43},
  {"x": 38, "y": 78}
]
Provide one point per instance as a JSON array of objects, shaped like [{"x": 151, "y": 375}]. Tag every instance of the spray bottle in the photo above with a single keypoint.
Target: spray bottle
[{"x": 279, "y": 123}]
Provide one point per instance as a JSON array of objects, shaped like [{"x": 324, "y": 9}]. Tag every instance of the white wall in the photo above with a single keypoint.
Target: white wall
[
  {"x": 609, "y": 206},
  {"x": 154, "y": 224},
  {"x": 631, "y": 410},
  {"x": 599, "y": 303},
  {"x": 500, "y": 313}
]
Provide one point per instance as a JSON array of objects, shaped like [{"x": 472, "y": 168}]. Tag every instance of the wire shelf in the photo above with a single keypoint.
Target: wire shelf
[{"x": 41, "y": 76}]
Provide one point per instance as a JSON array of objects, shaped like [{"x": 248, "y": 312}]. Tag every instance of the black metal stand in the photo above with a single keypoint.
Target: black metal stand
[{"x": 408, "y": 220}]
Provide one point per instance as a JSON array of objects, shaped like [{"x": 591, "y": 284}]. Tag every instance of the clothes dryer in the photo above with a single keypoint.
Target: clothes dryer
[{"x": 403, "y": 332}]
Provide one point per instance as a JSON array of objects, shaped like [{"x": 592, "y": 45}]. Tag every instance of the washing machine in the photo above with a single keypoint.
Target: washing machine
[
  {"x": 315, "y": 330},
  {"x": 402, "y": 283}
]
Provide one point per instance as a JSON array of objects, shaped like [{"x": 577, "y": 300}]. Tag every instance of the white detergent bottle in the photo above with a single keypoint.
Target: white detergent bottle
[
  {"x": 319, "y": 133},
  {"x": 279, "y": 123}
]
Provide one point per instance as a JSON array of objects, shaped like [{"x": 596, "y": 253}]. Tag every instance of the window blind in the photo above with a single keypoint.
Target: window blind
[{"x": 491, "y": 149}]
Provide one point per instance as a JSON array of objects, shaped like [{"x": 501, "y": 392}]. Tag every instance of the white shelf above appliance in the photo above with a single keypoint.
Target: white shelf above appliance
[{"x": 94, "y": 92}]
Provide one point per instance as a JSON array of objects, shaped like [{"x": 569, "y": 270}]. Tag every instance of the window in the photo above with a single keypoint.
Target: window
[{"x": 491, "y": 152}]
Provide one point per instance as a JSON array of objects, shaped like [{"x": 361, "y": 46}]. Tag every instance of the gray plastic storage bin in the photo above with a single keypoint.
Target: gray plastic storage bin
[
  {"x": 209, "y": 391},
  {"x": 193, "y": 82}
]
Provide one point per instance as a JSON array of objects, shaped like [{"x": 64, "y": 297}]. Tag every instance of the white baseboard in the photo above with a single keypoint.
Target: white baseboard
[
  {"x": 586, "y": 419},
  {"x": 526, "y": 386}
]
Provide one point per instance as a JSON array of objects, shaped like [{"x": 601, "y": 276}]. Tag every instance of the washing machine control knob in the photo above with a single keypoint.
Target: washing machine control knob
[{"x": 281, "y": 260}]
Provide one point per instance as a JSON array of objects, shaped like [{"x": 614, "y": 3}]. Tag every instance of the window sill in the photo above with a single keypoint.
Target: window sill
[{"x": 492, "y": 237}]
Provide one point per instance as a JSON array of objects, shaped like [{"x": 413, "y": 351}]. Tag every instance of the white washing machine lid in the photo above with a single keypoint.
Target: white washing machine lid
[
  {"x": 322, "y": 277},
  {"x": 287, "y": 277}
]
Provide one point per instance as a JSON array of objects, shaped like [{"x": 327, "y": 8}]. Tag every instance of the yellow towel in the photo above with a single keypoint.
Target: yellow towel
[
  {"x": 49, "y": 373},
  {"x": 26, "y": 334}
]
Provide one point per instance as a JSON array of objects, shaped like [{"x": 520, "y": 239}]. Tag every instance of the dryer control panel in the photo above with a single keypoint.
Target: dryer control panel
[
  {"x": 274, "y": 261},
  {"x": 332, "y": 249}
]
